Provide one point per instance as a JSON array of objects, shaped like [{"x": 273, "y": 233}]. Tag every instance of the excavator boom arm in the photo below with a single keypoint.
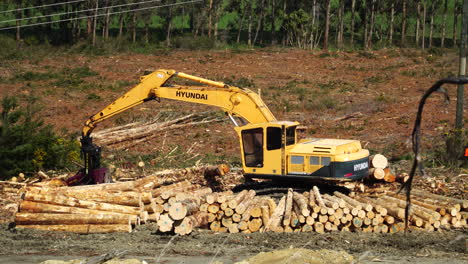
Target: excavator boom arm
[{"x": 233, "y": 100}]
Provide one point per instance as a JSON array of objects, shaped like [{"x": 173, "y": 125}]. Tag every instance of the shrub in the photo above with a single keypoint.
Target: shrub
[
  {"x": 194, "y": 43},
  {"x": 27, "y": 145}
]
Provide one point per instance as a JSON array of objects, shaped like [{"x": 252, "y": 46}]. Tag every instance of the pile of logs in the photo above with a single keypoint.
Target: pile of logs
[
  {"x": 380, "y": 171},
  {"x": 182, "y": 206},
  {"x": 103, "y": 208},
  {"x": 127, "y": 135}
]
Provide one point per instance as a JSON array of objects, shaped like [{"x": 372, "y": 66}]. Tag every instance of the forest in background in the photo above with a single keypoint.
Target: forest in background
[{"x": 195, "y": 24}]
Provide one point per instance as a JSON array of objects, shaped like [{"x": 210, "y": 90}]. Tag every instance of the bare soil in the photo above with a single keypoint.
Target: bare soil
[{"x": 234, "y": 247}]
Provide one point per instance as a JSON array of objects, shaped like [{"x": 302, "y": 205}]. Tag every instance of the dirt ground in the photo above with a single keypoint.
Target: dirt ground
[{"x": 206, "y": 246}]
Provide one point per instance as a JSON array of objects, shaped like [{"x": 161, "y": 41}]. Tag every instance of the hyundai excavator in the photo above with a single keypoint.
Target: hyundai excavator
[{"x": 269, "y": 148}]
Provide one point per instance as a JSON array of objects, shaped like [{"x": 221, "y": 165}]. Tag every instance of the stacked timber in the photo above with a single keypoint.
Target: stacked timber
[
  {"x": 243, "y": 212},
  {"x": 110, "y": 207},
  {"x": 379, "y": 169},
  {"x": 182, "y": 206}
]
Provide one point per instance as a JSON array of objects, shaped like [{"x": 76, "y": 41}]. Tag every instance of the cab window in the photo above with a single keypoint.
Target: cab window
[
  {"x": 297, "y": 159},
  {"x": 273, "y": 138},
  {"x": 290, "y": 135},
  {"x": 326, "y": 161},
  {"x": 314, "y": 160},
  {"x": 252, "y": 142}
]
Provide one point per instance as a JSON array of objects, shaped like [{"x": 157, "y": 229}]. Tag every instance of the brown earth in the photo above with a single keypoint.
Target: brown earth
[{"x": 207, "y": 246}]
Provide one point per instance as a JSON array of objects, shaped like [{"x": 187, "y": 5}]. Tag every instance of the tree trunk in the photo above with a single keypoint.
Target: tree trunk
[
  {"x": 455, "y": 23},
  {"x": 372, "y": 25},
  {"x": 106, "y": 35},
  {"x": 423, "y": 41},
  {"x": 327, "y": 25},
  {"x": 146, "y": 32},
  {"x": 134, "y": 26},
  {"x": 392, "y": 21},
  {"x": 341, "y": 24},
  {"x": 431, "y": 26},
  {"x": 260, "y": 20},
  {"x": 210, "y": 18},
  {"x": 403, "y": 24},
  {"x": 272, "y": 22},
  {"x": 366, "y": 23},
  {"x": 353, "y": 18},
  {"x": 95, "y": 22},
  {"x": 444, "y": 24},
  {"x": 418, "y": 23},
  {"x": 121, "y": 23},
  {"x": 19, "y": 15},
  {"x": 241, "y": 24},
  {"x": 249, "y": 27},
  {"x": 313, "y": 31}
]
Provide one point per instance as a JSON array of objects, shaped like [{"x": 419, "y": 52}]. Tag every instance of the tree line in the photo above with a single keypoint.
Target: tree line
[{"x": 304, "y": 24}]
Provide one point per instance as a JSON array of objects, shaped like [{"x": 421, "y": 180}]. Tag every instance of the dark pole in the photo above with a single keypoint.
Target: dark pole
[{"x": 462, "y": 72}]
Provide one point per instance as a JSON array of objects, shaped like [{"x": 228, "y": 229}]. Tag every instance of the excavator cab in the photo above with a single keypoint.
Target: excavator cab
[{"x": 271, "y": 151}]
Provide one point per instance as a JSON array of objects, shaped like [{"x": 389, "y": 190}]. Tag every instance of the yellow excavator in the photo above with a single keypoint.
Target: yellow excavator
[{"x": 269, "y": 148}]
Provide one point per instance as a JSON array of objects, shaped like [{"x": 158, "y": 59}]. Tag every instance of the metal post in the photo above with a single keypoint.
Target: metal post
[{"x": 462, "y": 72}]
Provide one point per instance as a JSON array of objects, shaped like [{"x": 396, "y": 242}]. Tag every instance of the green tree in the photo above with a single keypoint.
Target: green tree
[{"x": 27, "y": 145}]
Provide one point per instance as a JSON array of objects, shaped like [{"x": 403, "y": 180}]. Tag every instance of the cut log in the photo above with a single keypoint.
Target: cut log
[
  {"x": 122, "y": 198},
  {"x": 349, "y": 200},
  {"x": 69, "y": 219},
  {"x": 199, "y": 219},
  {"x": 265, "y": 213},
  {"x": 376, "y": 173},
  {"x": 165, "y": 223},
  {"x": 179, "y": 210},
  {"x": 302, "y": 203},
  {"x": 318, "y": 197},
  {"x": 233, "y": 228},
  {"x": 247, "y": 200},
  {"x": 72, "y": 202},
  {"x": 236, "y": 218},
  {"x": 81, "y": 229},
  {"x": 288, "y": 208},
  {"x": 319, "y": 228},
  {"x": 243, "y": 225},
  {"x": 389, "y": 175},
  {"x": 239, "y": 198},
  {"x": 307, "y": 228},
  {"x": 224, "y": 196},
  {"x": 213, "y": 208},
  {"x": 226, "y": 221},
  {"x": 256, "y": 211},
  {"x": 215, "y": 226},
  {"x": 211, "y": 217},
  {"x": 35, "y": 207},
  {"x": 312, "y": 201},
  {"x": 271, "y": 206},
  {"x": 378, "y": 161},
  {"x": 450, "y": 200},
  {"x": 228, "y": 212},
  {"x": 255, "y": 224},
  {"x": 277, "y": 216},
  {"x": 421, "y": 212}
]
